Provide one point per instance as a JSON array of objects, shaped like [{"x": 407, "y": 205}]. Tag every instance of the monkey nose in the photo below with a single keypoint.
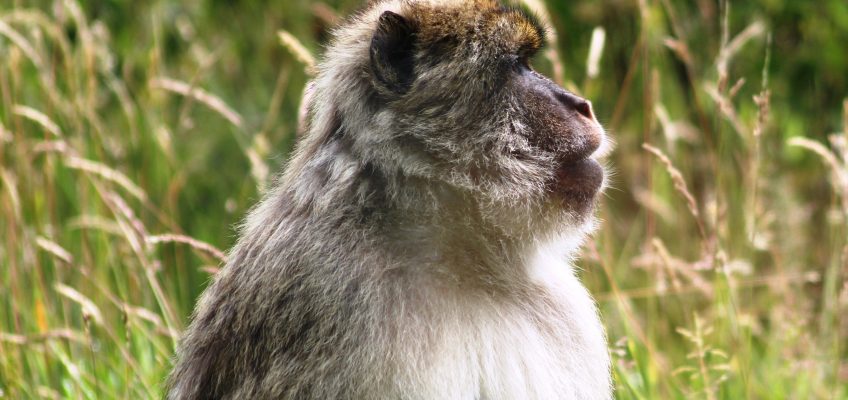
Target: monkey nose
[
  {"x": 577, "y": 103},
  {"x": 584, "y": 107}
]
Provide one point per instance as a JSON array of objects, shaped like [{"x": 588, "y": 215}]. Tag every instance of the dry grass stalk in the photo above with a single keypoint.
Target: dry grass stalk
[
  {"x": 194, "y": 243},
  {"x": 674, "y": 131},
  {"x": 799, "y": 278},
  {"x": 734, "y": 90},
  {"x": 763, "y": 101},
  {"x": 106, "y": 173},
  {"x": 54, "y": 249},
  {"x": 51, "y": 146},
  {"x": 23, "y": 44},
  {"x": 210, "y": 269},
  {"x": 832, "y": 160},
  {"x": 842, "y": 138},
  {"x": 10, "y": 183},
  {"x": 298, "y": 50},
  {"x": 5, "y": 135},
  {"x": 672, "y": 269},
  {"x": 45, "y": 392},
  {"x": 95, "y": 222},
  {"x": 60, "y": 334},
  {"x": 37, "y": 18},
  {"x": 731, "y": 48},
  {"x": 654, "y": 203},
  {"x": 132, "y": 228},
  {"x": 726, "y": 108},
  {"x": 38, "y": 117},
  {"x": 89, "y": 309},
  {"x": 88, "y": 53},
  {"x": 256, "y": 154},
  {"x": 845, "y": 117},
  {"x": 134, "y": 231},
  {"x": 596, "y": 49},
  {"x": 679, "y": 183},
  {"x": 680, "y": 49},
  {"x": 213, "y": 102},
  {"x": 752, "y": 31},
  {"x": 39, "y": 23},
  {"x": 145, "y": 314},
  {"x": 277, "y": 98},
  {"x": 838, "y": 167},
  {"x": 667, "y": 264}
]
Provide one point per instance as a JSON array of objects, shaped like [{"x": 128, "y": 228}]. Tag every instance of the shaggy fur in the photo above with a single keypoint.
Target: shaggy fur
[{"x": 418, "y": 244}]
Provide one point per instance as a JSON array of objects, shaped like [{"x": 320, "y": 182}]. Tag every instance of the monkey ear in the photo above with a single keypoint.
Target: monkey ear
[{"x": 393, "y": 53}]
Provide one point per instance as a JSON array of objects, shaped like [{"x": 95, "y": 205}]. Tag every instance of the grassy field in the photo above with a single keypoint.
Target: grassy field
[{"x": 135, "y": 135}]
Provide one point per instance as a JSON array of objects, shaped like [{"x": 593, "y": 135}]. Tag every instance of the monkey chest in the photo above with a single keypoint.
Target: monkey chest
[{"x": 512, "y": 354}]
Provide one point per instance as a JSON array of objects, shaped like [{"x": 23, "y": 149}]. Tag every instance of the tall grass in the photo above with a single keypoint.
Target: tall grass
[{"x": 134, "y": 136}]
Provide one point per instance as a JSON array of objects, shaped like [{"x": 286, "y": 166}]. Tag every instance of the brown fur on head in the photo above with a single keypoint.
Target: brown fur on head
[{"x": 417, "y": 244}]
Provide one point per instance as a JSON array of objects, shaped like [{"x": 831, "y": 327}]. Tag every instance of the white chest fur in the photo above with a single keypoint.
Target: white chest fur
[{"x": 552, "y": 346}]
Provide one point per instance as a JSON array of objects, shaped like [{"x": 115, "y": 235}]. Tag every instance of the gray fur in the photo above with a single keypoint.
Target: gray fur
[{"x": 418, "y": 244}]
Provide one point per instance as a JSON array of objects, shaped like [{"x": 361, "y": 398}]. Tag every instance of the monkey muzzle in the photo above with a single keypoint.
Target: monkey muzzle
[{"x": 580, "y": 176}]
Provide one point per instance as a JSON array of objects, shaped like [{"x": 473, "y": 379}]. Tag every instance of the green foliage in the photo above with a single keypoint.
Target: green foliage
[{"x": 135, "y": 135}]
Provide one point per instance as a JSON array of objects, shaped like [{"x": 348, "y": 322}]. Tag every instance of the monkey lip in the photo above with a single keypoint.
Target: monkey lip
[
  {"x": 577, "y": 183},
  {"x": 590, "y": 142},
  {"x": 583, "y": 175},
  {"x": 579, "y": 176}
]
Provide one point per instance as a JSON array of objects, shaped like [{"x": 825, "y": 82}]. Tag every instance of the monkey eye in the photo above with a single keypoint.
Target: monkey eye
[
  {"x": 518, "y": 63},
  {"x": 525, "y": 55},
  {"x": 522, "y": 63}
]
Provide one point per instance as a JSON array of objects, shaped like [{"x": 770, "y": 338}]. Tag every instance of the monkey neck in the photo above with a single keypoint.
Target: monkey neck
[{"x": 435, "y": 228}]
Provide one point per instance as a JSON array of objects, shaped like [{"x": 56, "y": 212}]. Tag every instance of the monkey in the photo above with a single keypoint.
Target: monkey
[{"x": 420, "y": 241}]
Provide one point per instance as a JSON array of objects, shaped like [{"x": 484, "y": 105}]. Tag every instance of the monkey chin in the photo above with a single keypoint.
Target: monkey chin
[
  {"x": 577, "y": 184},
  {"x": 579, "y": 177}
]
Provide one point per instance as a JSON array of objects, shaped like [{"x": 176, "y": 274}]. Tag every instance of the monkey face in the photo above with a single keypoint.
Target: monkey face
[
  {"x": 562, "y": 126},
  {"x": 455, "y": 76}
]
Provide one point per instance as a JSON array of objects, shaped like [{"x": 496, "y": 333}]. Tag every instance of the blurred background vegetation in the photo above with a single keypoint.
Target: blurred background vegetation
[{"x": 134, "y": 135}]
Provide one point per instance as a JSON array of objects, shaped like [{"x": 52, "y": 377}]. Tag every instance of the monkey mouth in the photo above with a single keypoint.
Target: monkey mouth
[{"x": 578, "y": 180}]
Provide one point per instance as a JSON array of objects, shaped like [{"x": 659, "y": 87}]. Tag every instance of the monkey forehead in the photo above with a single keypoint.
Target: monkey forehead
[{"x": 487, "y": 24}]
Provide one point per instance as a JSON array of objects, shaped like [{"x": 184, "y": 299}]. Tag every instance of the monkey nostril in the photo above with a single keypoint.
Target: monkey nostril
[
  {"x": 584, "y": 107},
  {"x": 579, "y": 104}
]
